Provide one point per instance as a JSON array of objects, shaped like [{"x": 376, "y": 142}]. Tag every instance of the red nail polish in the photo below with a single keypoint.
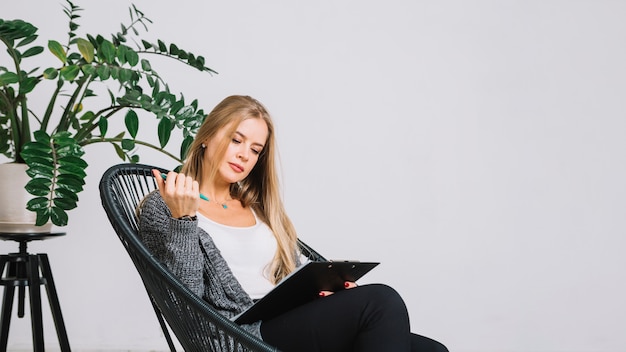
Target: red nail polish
[
  {"x": 322, "y": 294},
  {"x": 346, "y": 284}
]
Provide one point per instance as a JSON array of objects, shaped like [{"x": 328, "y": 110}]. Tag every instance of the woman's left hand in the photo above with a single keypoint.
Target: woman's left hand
[{"x": 347, "y": 285}]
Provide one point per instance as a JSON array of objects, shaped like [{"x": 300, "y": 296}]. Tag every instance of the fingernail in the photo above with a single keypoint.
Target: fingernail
[
  {"x": 346, "y": 284},
  {"x": 322, "y": 294}
]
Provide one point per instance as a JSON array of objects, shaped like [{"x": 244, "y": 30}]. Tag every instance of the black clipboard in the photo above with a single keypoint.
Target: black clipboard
[{"x": 302, "y": 286}]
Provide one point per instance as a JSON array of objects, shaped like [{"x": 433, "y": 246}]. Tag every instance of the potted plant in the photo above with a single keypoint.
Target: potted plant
[{"x": 49, "y": 144}]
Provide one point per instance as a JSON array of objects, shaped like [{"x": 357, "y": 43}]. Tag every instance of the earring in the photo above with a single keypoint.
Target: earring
[{"x": 203, "y": 145}]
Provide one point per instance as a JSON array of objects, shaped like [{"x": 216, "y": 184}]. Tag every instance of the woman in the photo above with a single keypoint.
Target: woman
[{"x": 231, "y": 164}]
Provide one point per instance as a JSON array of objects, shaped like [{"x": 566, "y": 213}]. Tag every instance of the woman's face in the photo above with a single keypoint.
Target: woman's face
[{"x": 243, "y": 149}]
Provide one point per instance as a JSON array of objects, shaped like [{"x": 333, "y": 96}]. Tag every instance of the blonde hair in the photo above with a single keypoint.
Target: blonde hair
[{"x": 260, "y": 190}]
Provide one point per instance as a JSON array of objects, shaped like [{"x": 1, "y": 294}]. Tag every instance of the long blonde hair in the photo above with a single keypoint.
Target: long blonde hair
[{"x": 260, "y": 190}]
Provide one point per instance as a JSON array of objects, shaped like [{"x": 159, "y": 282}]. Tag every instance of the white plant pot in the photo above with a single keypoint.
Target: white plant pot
[{"x": 14, "y": 217}]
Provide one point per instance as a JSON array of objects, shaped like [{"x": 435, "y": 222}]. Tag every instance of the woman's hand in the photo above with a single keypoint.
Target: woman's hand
[
  {"x": 181, "y": 193},
  {"x": 347, "y": 285}
]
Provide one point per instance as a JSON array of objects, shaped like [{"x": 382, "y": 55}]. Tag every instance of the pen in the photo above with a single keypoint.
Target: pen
[{"x": 202, "y": 196}]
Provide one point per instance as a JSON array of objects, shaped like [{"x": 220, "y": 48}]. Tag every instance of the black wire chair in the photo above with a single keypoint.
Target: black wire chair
[{"x": 196, "y": 325}]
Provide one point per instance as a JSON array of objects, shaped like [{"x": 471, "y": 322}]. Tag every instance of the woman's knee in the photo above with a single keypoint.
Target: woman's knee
[
  {"x": 383, "y": 293},
  {"x": 384, "y": 299},
  {"x": 426, "y": 344}
]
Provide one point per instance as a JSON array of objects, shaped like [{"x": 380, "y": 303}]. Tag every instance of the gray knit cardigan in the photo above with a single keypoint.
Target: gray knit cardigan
[{"x": 189, "y": 252}]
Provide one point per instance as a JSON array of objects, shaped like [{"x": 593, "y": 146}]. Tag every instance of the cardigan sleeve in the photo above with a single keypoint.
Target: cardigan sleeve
[{"x": 174, "y": 242}]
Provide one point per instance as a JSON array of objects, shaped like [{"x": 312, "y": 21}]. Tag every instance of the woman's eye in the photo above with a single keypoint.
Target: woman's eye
[
  {"x": 236, "y": 141},
  {"x": 256, "y": 151}
]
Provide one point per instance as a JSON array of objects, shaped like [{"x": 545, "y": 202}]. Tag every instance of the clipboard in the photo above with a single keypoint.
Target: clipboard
[{"x": 303, "y": 285}]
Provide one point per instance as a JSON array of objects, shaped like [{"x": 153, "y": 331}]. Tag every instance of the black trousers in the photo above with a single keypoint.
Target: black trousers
[{"x": 364, "y": 318}]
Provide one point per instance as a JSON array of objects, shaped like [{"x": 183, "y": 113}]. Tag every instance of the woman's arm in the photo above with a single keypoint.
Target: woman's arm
[{"x": 174, "y": 242}]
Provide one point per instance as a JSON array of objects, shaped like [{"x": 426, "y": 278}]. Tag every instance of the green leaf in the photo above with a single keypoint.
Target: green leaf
[
  {"x": 70, "y": 182},
  {"x": 41, "y": 137},
  {"x": 58, "y": 216},
  {"x": 8, "y": 78},
  {"x": 26, "y": 41},
  {"x": 103, "y": 125},
  {"x": 73, "y": 169},
  {"x": 132, "y": 57},
  {"x": 38, "y": 144},
  {"x": 162, "y": 46},
  {"x": 119, "y": 151},
  {"x": 63, "y": 138},
  {"x": 73, "y": 160},
  {"x": 126, "y": 75},
  {"x": 184, "y": 147},
  {"x": 115, "y": 72},
  {"x": 39, "y": 187},
  {"x": 40, "y": 170},
  {"x": 42, "y": 145},
  {"x": 50, "y": 73},
  {"x": 88, "y": 70},
  {"x": 132, "y": 123},
  {"x": 87, "y": 116},
  {"x": 31, "y": 153},
  {"x": 128, "y": 144},
  {"x": 67, "y": 194},
  {"x": 69, "y": 73},
  {"x": 173, "y": 49},
  {"x": 57, "y": 49},
  {"x": 104, "y": 72},
  {"x": 37, "y": 203},
  {"x": 35, "y": 50},
  {"x": 164, "y": 131},
  {"x": 71, "y": 150},
  {"x": 107, "y": 50},
  {"x": 64, "y": 203},
  {"x": 145, "y": 65},
  {"x": 86, "y": 49},
  {"x": 43, "y": 215},
  {"x": 185, "y": 112},
  {"x": 121, "y": 54},
  {"x": 28, "y": 84},
  {"x": 73, "y": 57},
  {"x": 177, "y": 106},
  {"x": 39, "y": 162}
]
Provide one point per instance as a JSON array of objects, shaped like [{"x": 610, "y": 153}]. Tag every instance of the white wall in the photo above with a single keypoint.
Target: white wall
[{"x": 475, "y": 148}]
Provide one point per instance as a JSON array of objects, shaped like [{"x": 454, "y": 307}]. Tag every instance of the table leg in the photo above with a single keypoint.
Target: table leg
[
  {"x": 19, "y": 269},
  {"x": 54, "y": 302},
  {"x": 7, "y": 305},
  {"x": 35, "y": 302}
]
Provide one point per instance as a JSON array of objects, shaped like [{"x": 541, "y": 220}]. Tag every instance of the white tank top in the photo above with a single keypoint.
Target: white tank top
[{"x": 247, "y": 250}]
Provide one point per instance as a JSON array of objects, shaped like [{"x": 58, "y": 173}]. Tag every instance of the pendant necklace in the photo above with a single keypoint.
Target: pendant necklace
[{"x": 223, "y": 205}]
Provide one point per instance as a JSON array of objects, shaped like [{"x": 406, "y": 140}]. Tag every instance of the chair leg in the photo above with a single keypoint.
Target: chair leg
[
  {"x": 166, "y": 332},
  {"x": 35, "y": 303},
  {"x": 7, "y": 306},
  {"x": 18, "y": 270},
  {"x": 54, "y": 302}
]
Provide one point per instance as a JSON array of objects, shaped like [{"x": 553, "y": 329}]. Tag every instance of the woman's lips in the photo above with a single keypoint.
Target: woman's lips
[{"x": 236, "y": 167}]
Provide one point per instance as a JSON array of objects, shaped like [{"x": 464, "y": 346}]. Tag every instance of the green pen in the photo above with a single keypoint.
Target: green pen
[{"x": 202, "y": 196}]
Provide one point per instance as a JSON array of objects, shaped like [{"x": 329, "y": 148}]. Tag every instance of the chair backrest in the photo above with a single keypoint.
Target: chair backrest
[{"x": 197, "y": 326}]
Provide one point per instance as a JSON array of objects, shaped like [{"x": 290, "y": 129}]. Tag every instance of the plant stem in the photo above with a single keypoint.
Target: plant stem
[
  {"x": 50, "y": 108},
  {"x": 69, "y": 108},
  {"x": 114, "y": 140},
  {"x": 20, "y": 132},
  {"x": 90, "y": 126},
  {"x": 25, "y": 132}
]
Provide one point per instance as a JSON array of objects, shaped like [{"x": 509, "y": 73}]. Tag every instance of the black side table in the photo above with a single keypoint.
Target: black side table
[{"x": 33, "y": 270}]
